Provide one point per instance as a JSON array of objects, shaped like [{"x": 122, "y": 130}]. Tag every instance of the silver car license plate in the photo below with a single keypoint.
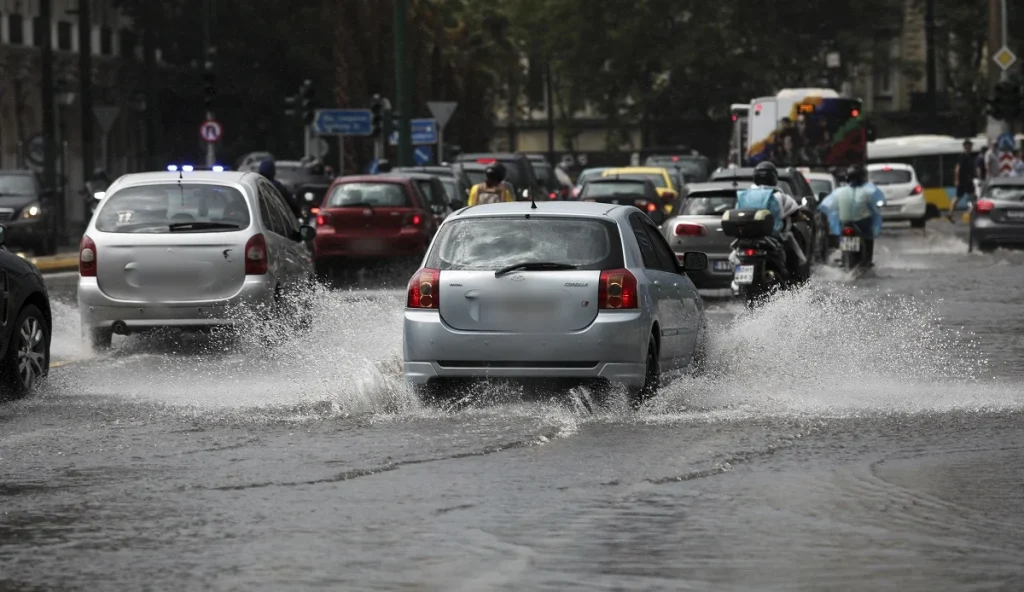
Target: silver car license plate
[
  {"x": 849, "y": 244},
  {"x": 744, "y": 274}
]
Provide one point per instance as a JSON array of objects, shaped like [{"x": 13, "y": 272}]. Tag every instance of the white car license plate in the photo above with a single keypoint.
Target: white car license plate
[
  {"x": 721, "y": 265},
  {"x": 369, "y": 245},
  {"x": 523, "y": 312},
  {"x": 849, "y": 244},
  {"x": 744, "y": 274}
]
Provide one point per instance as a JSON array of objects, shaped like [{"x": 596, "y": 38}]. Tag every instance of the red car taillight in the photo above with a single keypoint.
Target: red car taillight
[
  {"x": 848, "y": 231},
  {"x": 687, "y": 229},
  {"x": 424, "y": 289},
  {"x": 414, "y": 220},
  {"x": 917, "y": 190},
  {"x": 87, "y": 258},
  {"x": 984, "y": 206},
  {"x": 256, "y": 255},
  {"x": 617, "y": 290}
]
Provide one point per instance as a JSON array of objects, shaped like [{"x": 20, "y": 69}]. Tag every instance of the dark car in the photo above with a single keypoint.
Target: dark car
[
  {"x": 305, "y": 183},
  {"x": 692, "y": 168},
  {"x": 556, "y": 186},
  {"x": 25, "y": 210},
  {"x": 998, "y": 218},
  {"x": 626, "y": 191},
  {"x": 518, "y": 172},
  {"x": 453, "y": 185},
  {"x": 469, "y": 174},
  {"x": 25, "y": 331},
  {"x": 696, "y": 225},
  {"x": 431, "y": 190}
]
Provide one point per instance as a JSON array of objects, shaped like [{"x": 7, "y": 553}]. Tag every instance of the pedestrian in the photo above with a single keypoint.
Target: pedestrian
[
  {"x": 1018, "y": 164},
  {"x": 963, "y": 178}
]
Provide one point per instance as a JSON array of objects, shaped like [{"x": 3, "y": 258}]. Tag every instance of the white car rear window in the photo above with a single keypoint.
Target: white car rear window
[
  {"x": 889, "y": 177},
  {"x": 191, "y": 207}
]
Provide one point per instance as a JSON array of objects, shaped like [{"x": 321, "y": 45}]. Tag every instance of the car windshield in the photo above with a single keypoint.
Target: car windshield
[
  {"x": 497, "y": 242},
  {"x": 820, "y": 186},
  {"x": 378, "y": 195},
  {"x": 1006, "y": 193},
  {"x": 604, "y": 189},
  {"x": 17, "y": 185},
  {"x": 154, "y": 209},
  {"x": 889, "y": 177},
  {"x": 711, "y": 204},
  {"x": 657, "y": 178}
]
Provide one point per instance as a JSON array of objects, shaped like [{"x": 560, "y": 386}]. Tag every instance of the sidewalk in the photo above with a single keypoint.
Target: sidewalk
[{"x": 66, "y": 261}]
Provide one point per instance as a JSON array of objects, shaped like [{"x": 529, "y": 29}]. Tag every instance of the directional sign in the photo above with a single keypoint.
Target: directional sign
[
  {"x": 373, "y": 168},
  {"x": 1006, "y": 142},
  {"x": 424, "y": 131},
  {"x": 106, "y": 116},
  {"x": 442, "y": 111},
  {"x": 343, "y": 122},
  {"x": 1005, "y": 58},
  {"x": 210, "y": 131},
  {"x": 423, "y": 155}
]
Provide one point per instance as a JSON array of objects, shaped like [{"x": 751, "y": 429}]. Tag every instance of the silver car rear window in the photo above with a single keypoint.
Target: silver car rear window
[
  {"x": 1005, "y": 192},
  {"x": 889, "y": 177},
  {"x": 156, "y": 209},
  {"x": 500, "y": 241}
]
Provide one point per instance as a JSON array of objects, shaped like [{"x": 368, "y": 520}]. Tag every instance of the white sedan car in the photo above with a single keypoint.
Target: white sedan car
[
  {"x": 183, "y": 249},
  {"x": 904, "y": 196}
]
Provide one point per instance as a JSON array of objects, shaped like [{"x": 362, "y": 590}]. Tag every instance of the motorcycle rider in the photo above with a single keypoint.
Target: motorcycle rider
[
  {"x": 856, "y": 203},
  {"x": 766, "y": 195},
  {"x": 493, "y": 189},
  {"x": 269, "y": 170}
]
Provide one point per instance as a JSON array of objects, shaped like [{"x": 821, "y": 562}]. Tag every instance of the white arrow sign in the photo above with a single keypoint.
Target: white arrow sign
[{"x": 442, "y": 111}]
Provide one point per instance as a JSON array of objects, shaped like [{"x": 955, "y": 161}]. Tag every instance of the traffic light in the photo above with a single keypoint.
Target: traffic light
[
  {"x": 307, "y": 92},
  {"x": 290, "y": 103},
  {"x": 209, "y": 79},
  {"x": 376, "y": 112}
]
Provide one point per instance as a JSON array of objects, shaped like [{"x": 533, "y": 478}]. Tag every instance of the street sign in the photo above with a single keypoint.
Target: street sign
[
  {"x": 34, "y": 150},
  {"x": 423, "y": 155},
  {"x": 319, "y": 147},
  {"x": 210, "y": 131},
  {"x": 373, "y": 168},
  {"x": 106, "y": 116},
  {"x": 1006, "y": 142},
  {"x": 424, "y": 131},
  {"x": 1005, "y": 58},
  {"x": 442, "y": 111},
  {"x": 343, "y": 122}
]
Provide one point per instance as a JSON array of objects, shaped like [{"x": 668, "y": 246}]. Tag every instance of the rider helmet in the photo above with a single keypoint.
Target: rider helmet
[
  {"x": 855, "y": 175},
  {"x": 766, "y": 175},
  {"x": 495, "y": 173}
]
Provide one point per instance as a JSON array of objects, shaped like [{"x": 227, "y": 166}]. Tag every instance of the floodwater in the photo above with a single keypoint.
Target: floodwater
[{"x": 857, "y": 435}]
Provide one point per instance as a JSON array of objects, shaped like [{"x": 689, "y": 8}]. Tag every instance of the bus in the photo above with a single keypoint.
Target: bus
[
  {"x": 934, "y": 160},
  {"x": 738, "y": 142},
  {"x": 807, "y": 127}
]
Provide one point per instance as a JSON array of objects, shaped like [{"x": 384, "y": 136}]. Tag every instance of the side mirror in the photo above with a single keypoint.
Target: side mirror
[
  {"x": 694, "y": 261},
  {"x": 657, "y": 216},
  {"x": 307, "y": 233},
  {"x": 3, "y": 235}
]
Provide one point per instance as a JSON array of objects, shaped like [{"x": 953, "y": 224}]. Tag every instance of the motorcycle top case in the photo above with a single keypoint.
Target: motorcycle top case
[{"x": 748, "y": 223}]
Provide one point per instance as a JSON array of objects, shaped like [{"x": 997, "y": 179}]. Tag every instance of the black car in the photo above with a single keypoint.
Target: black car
[
  {"x": 548, "y": 178},
  {"x": 692, "y": 168},
  {"x": 997, "y": 219},
  {"x": 453, "y": 185},
  {"x": 518, "y": 172},
  {"x": 25, "y": 210},
  {"x": 25, "y": 325},
  {"x": 306, "y": 184},
  {"x": 431, "y": 190},
  {"x": 627, "y": 191}
]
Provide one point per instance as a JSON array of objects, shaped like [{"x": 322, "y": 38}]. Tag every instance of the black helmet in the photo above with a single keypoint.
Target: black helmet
[
  {"x": 766, "y": 175},
  {"x": 495, "y": 173},
  {"x": 855, "y": 175}
]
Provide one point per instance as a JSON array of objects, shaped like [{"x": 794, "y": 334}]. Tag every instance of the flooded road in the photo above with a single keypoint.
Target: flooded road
[{"x": 857, "y": 435}]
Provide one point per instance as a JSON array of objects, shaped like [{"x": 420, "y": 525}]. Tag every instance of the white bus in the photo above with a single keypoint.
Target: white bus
[{"x": 738, "y": 142}]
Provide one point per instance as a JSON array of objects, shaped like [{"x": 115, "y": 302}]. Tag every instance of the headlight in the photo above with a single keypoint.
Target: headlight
[
  {"x": 308, "y": 196},
  {"x": 32, "y": 210}
]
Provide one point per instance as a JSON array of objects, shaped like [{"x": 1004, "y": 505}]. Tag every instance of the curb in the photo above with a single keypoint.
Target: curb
[{"x": 54, "y": 264}]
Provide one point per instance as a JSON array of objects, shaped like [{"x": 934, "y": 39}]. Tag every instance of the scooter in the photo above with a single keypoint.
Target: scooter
[
  {"x": 853, "y": 248},
  {"x": 759, "y": 258}
]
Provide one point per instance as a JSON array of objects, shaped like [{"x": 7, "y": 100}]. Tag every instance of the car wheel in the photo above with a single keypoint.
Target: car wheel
[
  {"x": 28, "y": 355},
  {"x": 919, "y": 223},
  {"x": 434, "y": 393},
  {"x": 100, "y": 337},
  {"x": 652, "y": 377}
]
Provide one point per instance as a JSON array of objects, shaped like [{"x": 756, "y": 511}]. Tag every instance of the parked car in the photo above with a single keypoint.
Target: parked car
[
  {"x": 25, "y": 333},
  {"x": 372, "y": 218},
  {"x": 567, "y": 290},
  {"x": 518, "y": 172},
  {"x": 27, "y": 212},
  {"x": 904, "y": 196},
  {"x": 997, "y": 220},
  {"x": 696, "y": 225},
  {"x": 184, "y": 250},
  {"x": 453, "y": 185},
  {"x": 639, "y": 193}
]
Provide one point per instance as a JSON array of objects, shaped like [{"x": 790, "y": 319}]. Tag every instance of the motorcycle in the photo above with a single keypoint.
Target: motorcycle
[
  {"x": 759, "y": 257},
  {"x": 852, "y": 246}
]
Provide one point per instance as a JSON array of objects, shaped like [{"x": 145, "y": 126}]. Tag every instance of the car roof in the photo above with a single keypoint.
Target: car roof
[
  {"x": 424, "y": 169},
  {"x": 21, "y": 172},
  {"x": 899, "y": 166},
  {"x": 384, "y": 178},
  {"x": 618, "y": 178},
  {"x": 408, "y": 175},
  {"x": 225, "y": 177},
  {"x": 635, "y": 170},
  {"x": 748, "y": 172},
  {"x": 558, "y": 208},
  {"x": 820, "y": 176},
  {"x": 1018, "y": 181}
]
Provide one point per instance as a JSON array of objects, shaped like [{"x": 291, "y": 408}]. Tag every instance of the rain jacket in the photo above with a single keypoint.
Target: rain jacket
[
  {"x": 849, "y": 204},
  {"x": 767, "y": 198}
]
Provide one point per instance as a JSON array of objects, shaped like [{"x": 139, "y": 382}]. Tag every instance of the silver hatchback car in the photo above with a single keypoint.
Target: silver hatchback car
[
  {"x": 566, "y": 290},
  {"x": 183, "y": 249}
]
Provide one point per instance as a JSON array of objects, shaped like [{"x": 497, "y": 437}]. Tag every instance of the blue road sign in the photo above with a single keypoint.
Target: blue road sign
[
  {"x": 423, "y": 155},
  {"x": 1006, "y": 142},
  {"x": 373, "y": 169},
  {"x": 424, "y": 133},
  {"x": 343, "y": 122}
]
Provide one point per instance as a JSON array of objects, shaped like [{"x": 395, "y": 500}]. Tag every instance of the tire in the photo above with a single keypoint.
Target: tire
[
  {"x": 652, "y": 378},
  {"x": 919, "y": 223},
  {"x": 433, "y": 393},
  {"x": 27, "y": 361},
  {"x": 931, "y": 212},
  {"x": 100, "y": 337}
]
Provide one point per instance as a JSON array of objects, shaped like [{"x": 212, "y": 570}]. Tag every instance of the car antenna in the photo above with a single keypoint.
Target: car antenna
[{"x": 533, "y": 200}]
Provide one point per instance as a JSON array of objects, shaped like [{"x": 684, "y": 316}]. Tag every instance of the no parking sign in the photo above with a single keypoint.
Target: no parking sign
[{"x": 210, "y": 131}]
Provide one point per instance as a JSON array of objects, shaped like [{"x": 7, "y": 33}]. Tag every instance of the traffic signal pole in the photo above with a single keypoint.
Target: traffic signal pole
[
  {"x": 211, "y": 150},
  {"x": 402, "y": 96}
]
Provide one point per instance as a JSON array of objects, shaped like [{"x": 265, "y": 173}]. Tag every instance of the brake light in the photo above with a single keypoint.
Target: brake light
[
  {"x": 984, "y": 206},
  {"x": 676, "y": 158},
  {"x": 424, "y": 289},
  {"x": 735, "y": 118},
  {"x": 887, "y": 168},
  {"x": 855, "y": 113},
  {"x": 917, "y": 190},
  {"x": 848, "y": 231},
  {"x": 256, "y": 255},
  {"x": 686, "y": 229},
  {"x": 616, "y": 290},
  {"x": 750, "y": 252},
  {"x": 314, "y": 211},
  {"x": 651, "y": 207},
  {"x": 87, "y": 258},
  {"x": 552, "y": 195},
  {"x": 323, "y": 220},
  {"x": 486, "y": 160},
  {"x": 415, "y": 220}
]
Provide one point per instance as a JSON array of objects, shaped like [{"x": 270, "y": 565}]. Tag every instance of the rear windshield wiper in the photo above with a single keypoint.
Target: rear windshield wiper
[
  {"x": 202, "y": 226},
  {"x": 534, "y": 266}
]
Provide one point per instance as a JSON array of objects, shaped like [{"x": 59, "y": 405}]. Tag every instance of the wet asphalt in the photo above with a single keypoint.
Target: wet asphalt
[{"x": 857, "y": 435}]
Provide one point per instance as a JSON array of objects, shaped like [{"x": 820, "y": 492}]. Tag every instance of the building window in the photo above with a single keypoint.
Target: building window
[
  {"x": 106, "y": 42},
  {"x": 128, "y": 41},
  {"x": 64, "y": 36},
  {"x": 16, "y": 29},
  {"x": 39, "y": 30}
]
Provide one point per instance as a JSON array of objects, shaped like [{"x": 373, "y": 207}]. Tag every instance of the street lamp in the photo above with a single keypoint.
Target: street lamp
[{"x": 64, "y": 97}]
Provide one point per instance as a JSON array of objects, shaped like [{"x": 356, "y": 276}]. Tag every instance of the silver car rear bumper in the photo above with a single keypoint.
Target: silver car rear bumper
[
  {"x": 99, "y": 310},
  {"x": 612, "y": 348}
]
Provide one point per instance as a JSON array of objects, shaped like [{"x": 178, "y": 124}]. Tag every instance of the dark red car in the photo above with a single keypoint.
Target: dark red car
[{"x": 372, "y": 218}]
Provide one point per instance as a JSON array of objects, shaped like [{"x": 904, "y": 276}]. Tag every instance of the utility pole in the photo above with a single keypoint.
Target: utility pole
[
  {"x": 929, "y": 36},
  {"x": 49, "y": 124},
  {"x": 548, "y": 94},
  {"x": 402, "y": 90},
  {"x": 996, "y": 39},
  {"x": 85, "y": 80},
  {"x": 148, "y": 82},
  {"x": 209, "y": 80}
]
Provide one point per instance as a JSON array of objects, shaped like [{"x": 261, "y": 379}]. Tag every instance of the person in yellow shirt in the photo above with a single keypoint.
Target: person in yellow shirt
[{"x": 493, "y": 189}]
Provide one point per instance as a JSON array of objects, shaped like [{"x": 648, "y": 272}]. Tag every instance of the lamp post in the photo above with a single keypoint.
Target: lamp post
[{"x": 64, "y": 97}]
